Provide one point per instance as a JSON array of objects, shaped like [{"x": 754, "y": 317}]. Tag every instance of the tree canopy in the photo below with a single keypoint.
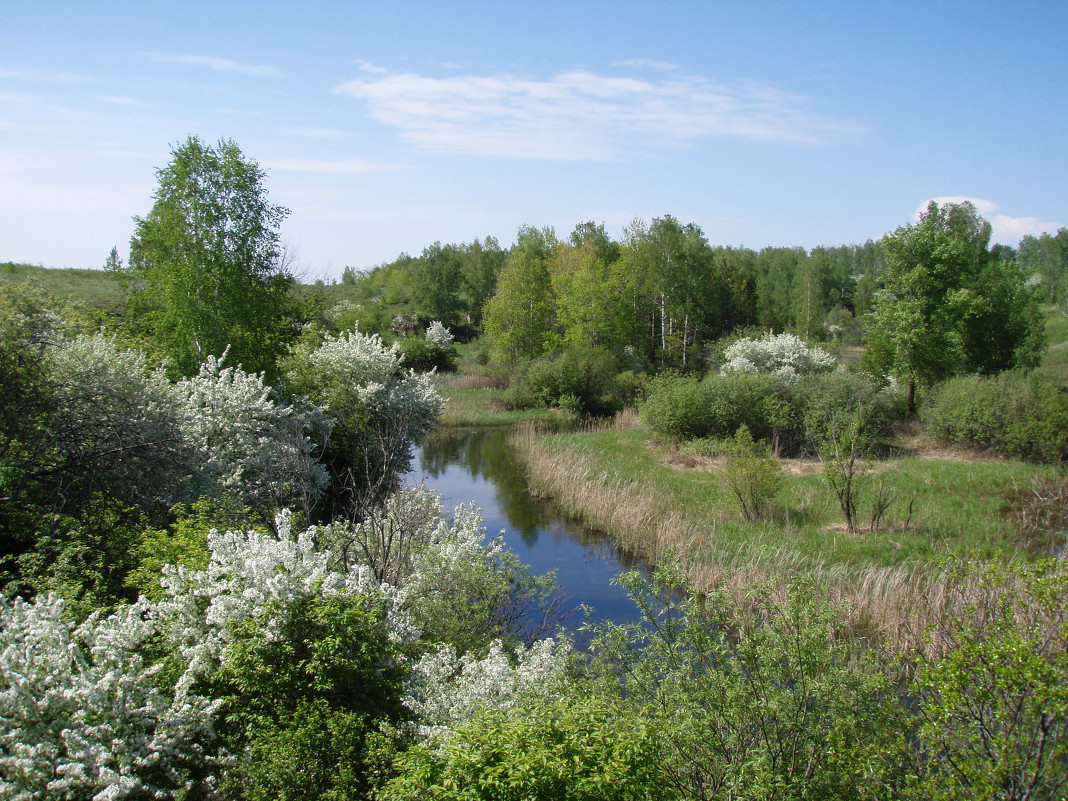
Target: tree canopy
[
  {"x": 207, "y": 264},
  {"x": 947, "y": 305}
]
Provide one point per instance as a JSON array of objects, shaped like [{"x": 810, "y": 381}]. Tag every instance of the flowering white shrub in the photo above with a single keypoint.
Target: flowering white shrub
[
  {"x": 439, "y": 336},
  {"x": 446, "y": 689},
  {"x": 81, "y": 714},
  {"x": 248, "y": 446},
  {"x": 247, "y": 572},
  {"x": 379, "y": 408},
  {"x": 116, "y": 425},
  {"x": 784, "y": 355}
]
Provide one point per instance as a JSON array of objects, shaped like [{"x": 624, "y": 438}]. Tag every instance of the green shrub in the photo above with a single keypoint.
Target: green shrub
[
  {"x": 753, "y": 476},
  {"x": 581, "y": 748},
  {"x": 994, "y": 717},
  {"x": 831, "y": 402},
  {"x": 422, "y": 355},
  {"x": 580, "y": 379},
  {"x": 675, "y": 407},
  {"x": 1013, "y": 414},
  {"x": 737, "y": 399}
]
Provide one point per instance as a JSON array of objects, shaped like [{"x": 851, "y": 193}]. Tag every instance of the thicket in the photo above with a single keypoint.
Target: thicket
[
  {"x": 793, "y": 418},
  {"x": 1016, "y": 414}
]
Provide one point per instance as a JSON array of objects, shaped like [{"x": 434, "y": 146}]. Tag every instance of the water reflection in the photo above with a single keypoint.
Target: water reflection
[{"x": 476, "y": 464}]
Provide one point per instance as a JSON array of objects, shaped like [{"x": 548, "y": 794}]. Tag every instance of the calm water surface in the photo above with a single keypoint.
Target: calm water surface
[{"x": 476, "y": 464}]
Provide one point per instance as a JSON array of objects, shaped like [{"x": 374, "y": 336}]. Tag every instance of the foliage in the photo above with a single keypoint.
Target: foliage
[
  {"x": 248, "y": 447},
  {"x": 447, "y": 689},
  {"x": 517, "y": 319},
  {"x": 378, "y": 410},
  {"x": 947, "y": 305},
  {"x": 784, "y": 355},
  {"x": 582, "y": 748},
  {"x": 994, "y": 706},
  {"x": 754, "y": 477},
  {"x": 434, "y": 351},
  {"x": 206, "y": 263},
  {"x": 460, "y": 589},
  {"x": 579, "y": 379},
  {"x": 1014, "y": 414},
  {"x": 754, "y": 701},
  {"x": 843, "y": 453},
  {"x": 81, "y": 712},
  {"x": 315, "y": 677},
  {"x": 675, "y": 407}
]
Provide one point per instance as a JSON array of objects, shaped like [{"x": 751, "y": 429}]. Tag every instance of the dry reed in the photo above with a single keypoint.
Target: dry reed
[{"x": 895, "y": 604}]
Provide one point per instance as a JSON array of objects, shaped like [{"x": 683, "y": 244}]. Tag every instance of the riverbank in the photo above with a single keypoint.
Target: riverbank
[
  {"x": 668, "y": 505},
  {"x": 473, "y": 400}
]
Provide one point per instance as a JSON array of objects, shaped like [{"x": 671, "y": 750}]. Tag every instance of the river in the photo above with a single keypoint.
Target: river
[{"x": 476, "y": 464}]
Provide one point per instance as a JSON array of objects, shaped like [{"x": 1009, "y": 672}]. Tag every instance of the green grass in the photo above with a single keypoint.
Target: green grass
[
  {"x": 669, "y": 506},
  {"x": 1055, "y": 358},
  {"x": 959, "y": 507},
  {"x": 94, "y": 288},
  {"x": 485, "y": 407}
]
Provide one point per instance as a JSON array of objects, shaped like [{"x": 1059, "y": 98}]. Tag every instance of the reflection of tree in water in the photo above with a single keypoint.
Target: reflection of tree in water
[{"x": 486, "y": 455}]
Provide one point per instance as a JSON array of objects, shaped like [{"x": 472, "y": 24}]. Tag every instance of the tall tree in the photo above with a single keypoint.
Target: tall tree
[
  {"x": 945, "y": 305},
  {"x": 518, "y": 318},
  {"x": 436, "y": 283},
  {"x": 207, "y": 264}
]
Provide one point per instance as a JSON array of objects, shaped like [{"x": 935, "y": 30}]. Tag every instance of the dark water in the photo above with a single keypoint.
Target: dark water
[{"x": 476, "y": 464}]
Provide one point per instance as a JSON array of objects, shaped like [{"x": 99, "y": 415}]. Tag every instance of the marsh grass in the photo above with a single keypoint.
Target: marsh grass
[
  {"x": 474, "y": 400},
  {"x": 669, "y": 509}
]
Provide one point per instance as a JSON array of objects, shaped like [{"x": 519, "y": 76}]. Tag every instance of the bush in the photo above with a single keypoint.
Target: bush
[
  {"x": 580, "y": 379},
  {"x": 830, "y": 403},
  {"x": 675, "y": 407},
  {"x": 422, "y": 355},
  {"x": 753, "y": 476},
  {"x": 1013, "y": 414},
  {"x": 576, "y": 748}
]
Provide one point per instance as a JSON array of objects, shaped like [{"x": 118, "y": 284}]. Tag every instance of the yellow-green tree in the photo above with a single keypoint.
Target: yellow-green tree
[{"x": 206, "y": 262}]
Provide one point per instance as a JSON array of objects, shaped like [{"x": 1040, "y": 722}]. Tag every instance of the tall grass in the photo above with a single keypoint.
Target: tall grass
[{"x": 671, "y": 508}]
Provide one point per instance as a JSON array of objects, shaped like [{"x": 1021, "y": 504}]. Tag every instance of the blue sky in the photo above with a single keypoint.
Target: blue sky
[{"x": 386, "y": 127}]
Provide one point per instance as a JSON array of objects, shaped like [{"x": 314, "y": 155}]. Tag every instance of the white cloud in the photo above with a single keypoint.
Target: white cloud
[
  {"x": 1006, "y": 230},
  {"x": 347, "y": 166},
  {"x": 584, "y": 115},
  {"x": 646, "y": 63},
  {"x": 217, "y": 64}
]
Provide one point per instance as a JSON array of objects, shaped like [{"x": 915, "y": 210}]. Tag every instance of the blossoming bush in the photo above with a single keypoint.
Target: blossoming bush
[
  {"x": 247, "y": 446},
  {"x": 786, "y": 356},
  {"x": 379, "y": 409},
  {"x": 82, "y": 712}
]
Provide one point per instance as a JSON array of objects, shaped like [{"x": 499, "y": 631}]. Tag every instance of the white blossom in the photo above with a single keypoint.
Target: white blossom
[
  {"x": 247, "y": 445},
  {"x": 438, "y": 335},
  {"x": 80, "y": 712},
  {"x": 786, "y": 356},
  {"x": 447, "y": 689}
]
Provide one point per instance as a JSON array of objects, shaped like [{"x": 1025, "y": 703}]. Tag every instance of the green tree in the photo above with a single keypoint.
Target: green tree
[
  {"x": 436, "y": 283},
  {"x": 518, "y": 318},
  {"x": 940, "y": 310},
  {"x": 207, "y": 266}
]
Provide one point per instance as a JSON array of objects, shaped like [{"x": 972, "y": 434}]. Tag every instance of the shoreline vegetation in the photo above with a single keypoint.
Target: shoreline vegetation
[{"x": 670, "y": 507}]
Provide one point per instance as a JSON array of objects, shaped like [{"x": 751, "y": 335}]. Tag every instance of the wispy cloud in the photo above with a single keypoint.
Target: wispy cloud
[
  {"x": 48, "y": 76},
  {"x": 646, "y": 63},
  {"x": 583, "y": 115},
  {"x": 122, "y": 101},
  {"x": 1006, "y": 230},
  {"x": 217, "y": 64},
  {"x": 346, "y": 166}
]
